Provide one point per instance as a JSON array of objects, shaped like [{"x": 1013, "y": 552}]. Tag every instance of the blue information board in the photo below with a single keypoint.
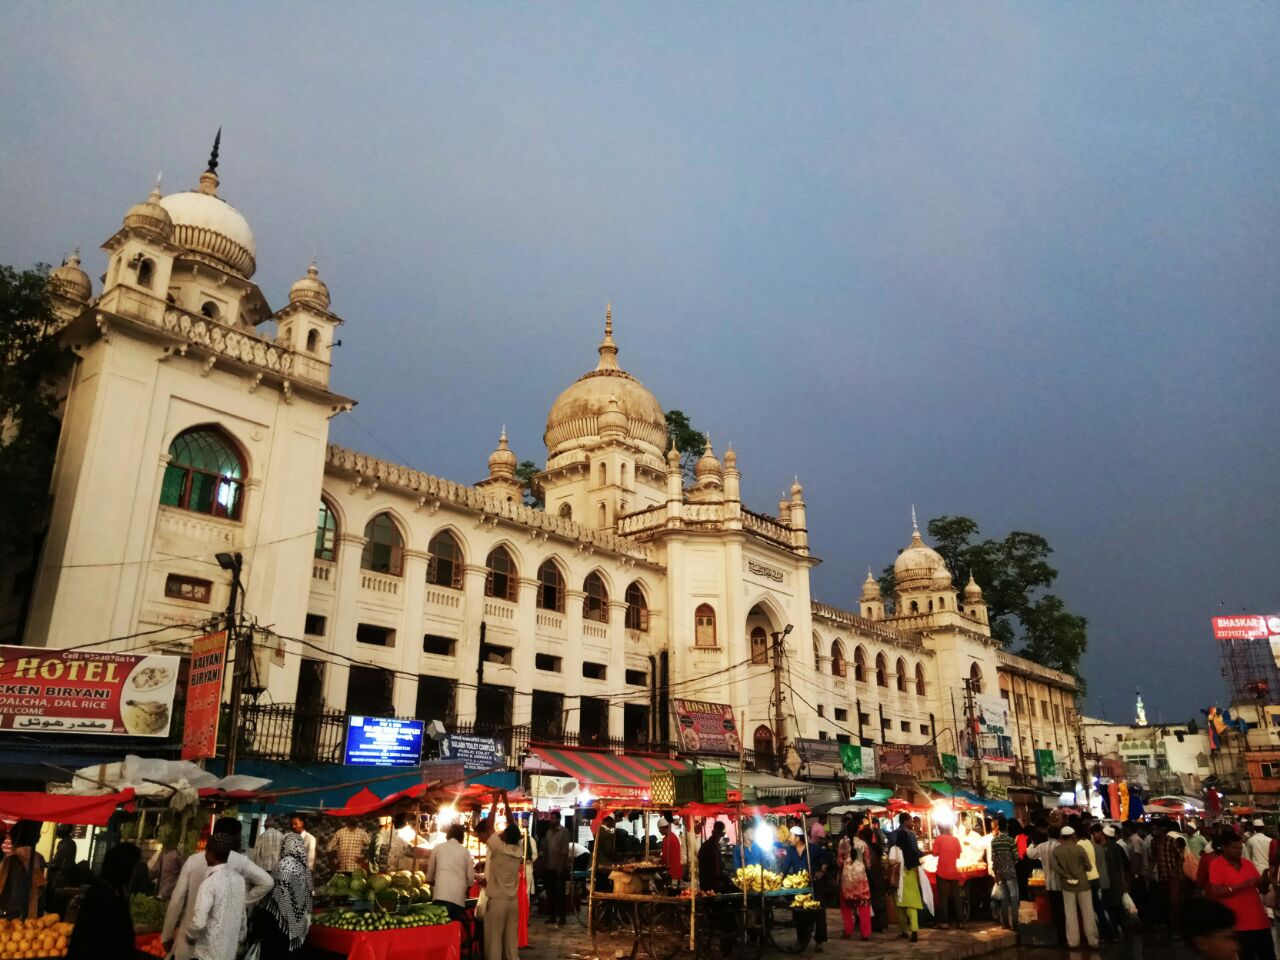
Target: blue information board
[{"x": 383, "y": 742}]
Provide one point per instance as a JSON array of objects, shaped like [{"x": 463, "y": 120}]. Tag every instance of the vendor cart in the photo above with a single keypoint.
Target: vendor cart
[{"x": 641, "y": 920}]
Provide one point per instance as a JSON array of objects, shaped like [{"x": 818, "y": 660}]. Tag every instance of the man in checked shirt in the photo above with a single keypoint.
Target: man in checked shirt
[
  {"x": 1167, "y": 867},
  {"x": 350, "y": 847}
]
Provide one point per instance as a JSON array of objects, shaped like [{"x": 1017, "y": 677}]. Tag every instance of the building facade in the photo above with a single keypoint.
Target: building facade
[{"x": 196, "y": 423}]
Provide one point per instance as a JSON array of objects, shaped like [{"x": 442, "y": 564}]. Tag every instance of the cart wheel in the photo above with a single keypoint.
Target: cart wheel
[{"x": 667, "y": 927}]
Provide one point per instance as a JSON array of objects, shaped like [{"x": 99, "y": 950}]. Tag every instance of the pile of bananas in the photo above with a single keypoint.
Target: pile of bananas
[
  {"x": 756, "y": 879},
  {"x": 804, "y": 901},
  {"x": 795, "y": 881}
]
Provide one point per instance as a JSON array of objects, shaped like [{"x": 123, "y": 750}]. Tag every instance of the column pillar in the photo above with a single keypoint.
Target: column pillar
[
  {"x": 526, "y": 627},
  {"x": 617, "y": 663},
  {"x": 473, "y": 577},
  {"x": 573, "y": 600},
  {"x": 342, "y": 632},
  {"x": 409, "y": 633}
]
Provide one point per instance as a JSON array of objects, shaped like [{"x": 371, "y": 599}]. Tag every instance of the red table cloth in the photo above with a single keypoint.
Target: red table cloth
[{"x": 442, "y": 942}]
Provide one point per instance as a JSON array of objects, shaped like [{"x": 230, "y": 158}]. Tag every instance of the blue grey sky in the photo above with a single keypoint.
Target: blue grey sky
[{"x": 1011, "y": 260}]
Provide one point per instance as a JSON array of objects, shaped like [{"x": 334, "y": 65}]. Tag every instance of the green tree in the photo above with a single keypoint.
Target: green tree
[
  {"x": 525, "y": 472},
  {"x": 1015, "y": 575},
  {"x": 33, "y": 361},
  {"x": 689, "y": 442}
]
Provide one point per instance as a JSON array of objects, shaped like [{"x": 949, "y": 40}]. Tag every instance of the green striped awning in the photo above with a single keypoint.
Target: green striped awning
[{"x": 623, "y": 776}]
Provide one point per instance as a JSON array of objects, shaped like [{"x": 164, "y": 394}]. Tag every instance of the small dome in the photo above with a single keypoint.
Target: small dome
[
  {"x": 613, "y": 420},
  {"x": 311, "y": 290},
  {"x": 797, "y": 491},
  {"x": 870, "y": 587},
  {"x": 575, "y": 416},
  {"x": 708, "y": 465},
  {"x": 70, "y": 281},
  {"x": 502, "y": 462},
  {"x": 150, "y": 217},
  {"x": 919, "y": 566},
  {"x": 206, "y": 224},
  {"x": 730, "y": 459},
  {"x": 972, "y": 592},
  {"x": 673, "y": 457}
]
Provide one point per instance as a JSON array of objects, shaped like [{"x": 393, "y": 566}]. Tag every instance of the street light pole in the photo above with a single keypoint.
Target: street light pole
[{"x": 233, "y": 562}]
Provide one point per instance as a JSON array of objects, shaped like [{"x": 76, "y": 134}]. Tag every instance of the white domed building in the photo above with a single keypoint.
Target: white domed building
[{"x": 197, "y": 425}]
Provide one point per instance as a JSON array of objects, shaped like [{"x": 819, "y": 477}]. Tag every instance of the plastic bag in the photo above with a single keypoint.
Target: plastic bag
[
  {"x": 1130, "y": 907},
  {"x": 482, "y": 904}
]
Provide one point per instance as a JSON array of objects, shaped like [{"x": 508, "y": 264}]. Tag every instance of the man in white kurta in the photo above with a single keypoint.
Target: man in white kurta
[{"x": 182, "y": 905}]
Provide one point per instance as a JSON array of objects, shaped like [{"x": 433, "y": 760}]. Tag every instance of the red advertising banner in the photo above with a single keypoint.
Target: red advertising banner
[
  {"x": 44, "y": 690},
  {"x": 204, "y": 696},
  {"x": 706, "y": 727},
  {"x": 1245, "y": 627}
]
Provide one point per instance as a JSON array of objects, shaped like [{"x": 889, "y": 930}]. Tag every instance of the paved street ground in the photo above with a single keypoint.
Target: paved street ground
[{"x": 572, "y": 943}]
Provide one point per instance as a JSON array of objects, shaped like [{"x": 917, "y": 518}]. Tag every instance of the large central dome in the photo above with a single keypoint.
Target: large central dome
[
  {"x": 574, "y": 418},
  {"x": 210, "y": 227}
]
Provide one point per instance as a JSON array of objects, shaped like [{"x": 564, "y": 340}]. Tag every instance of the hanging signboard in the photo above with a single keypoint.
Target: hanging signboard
[
  {"x": 894, "y": 760},
  {"x": 1046, "y": 765},
  {"x": 86, "y": 692},
  {"x": 204, "y": 696},
  {"x": 995, "y": 740},
  {"x": 383, "y": 742},
  {"x": 477, "y": 754},
  {"x": 706, "y": 727},
  {"x": 859, "y": 762}
]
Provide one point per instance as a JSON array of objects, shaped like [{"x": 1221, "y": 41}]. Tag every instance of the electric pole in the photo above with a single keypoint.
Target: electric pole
[
  {"x": 779, "y": 720},
  {"x": 233, "y": 562}
]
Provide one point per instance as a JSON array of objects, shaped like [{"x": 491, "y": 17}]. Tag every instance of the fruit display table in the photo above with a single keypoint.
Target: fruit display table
[{"x": 441, "y": 942}]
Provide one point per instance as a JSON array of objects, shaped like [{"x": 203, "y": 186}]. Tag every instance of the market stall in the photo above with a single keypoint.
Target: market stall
[{"x": 638, "y": 907}]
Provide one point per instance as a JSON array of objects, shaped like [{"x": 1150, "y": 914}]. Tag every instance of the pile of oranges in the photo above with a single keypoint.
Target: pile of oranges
[{"x": 43, "y": 937}]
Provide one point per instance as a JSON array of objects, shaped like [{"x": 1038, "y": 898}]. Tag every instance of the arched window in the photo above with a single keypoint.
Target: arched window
[
  {"x": 146, "y": 273},
  {"x": 600, "y": 516},
  {"x": 595, "y": 606},
  {"x": 326, "y": 533},
  {"x": 637, "y": 609},
  {"x": 920, "y": 679},
  {"x": 566, "y": 511},
  {"x": 817, "y": 653},
  {"x": 384, "y": 546},
  {"x": 210, "y": 309},
  {"x": 868, "y": 614},
  {"x": 763, "y": 743},
  {"x": 859, "y": 664},
  {"x": 501, "y": 579},
  {"x": 759, "y": 645},
  {"x": 931, "y": 606},
  {"x": 882, "y": 671},
  {"x": 915, "y": 607},
  {"x": 704, "y": 626},
  {"x": 622, "y": 475},
  {"x": 900, "y": 669},
  {"x": 313, "y": 341},
  {"x": 975, "y": 678},
  {"x": 444, "y": 565},
  {"x": 550, "y": 587},
  {"x": 604, "y": 473},
  {"x": 837, "y": 659},
  {"x": 942, "y": 603},
  {"x": 205, "y": 474}
]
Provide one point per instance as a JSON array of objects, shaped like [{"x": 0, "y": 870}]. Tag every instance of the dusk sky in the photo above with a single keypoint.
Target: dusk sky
[{"x": 1013, "y": 261}]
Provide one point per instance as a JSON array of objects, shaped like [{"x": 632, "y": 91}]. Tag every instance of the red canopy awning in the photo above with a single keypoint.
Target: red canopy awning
[
  {"x": 366, "y": 803},
  {"x": 358, "y": 805},
  {"x": 57, "y": 808},
  {"x": 607, "y": 775}
]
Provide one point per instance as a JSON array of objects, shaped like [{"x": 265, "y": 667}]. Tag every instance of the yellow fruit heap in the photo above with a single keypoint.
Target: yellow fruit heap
[
  {"x": 795, "y": 881},
  {"x": 43, "y": 937},
  {"x": 804, "y": 901},
  {"x": 755, "y": 879}
]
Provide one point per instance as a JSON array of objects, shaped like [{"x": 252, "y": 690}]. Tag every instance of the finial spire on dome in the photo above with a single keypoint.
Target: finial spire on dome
[
  {"x": 155, "y": 187},
  {"x": 209, "y": 179},
  {"x": 915, "y": 527},
  {"x": 608, "y": 349},
  {"x": 213, "y": 156}
]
